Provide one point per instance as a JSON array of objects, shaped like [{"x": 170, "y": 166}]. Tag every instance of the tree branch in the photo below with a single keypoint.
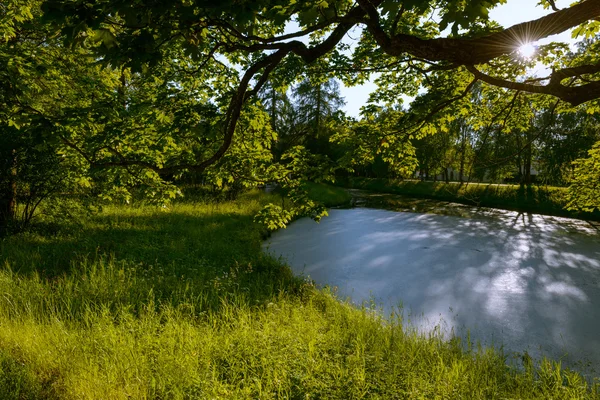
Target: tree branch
[
  {"x": 575, "y": 95},
  {"x": 472, "y": 51}
]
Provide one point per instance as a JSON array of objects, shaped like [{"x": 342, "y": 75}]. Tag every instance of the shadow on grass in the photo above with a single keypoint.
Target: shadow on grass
[
  {"x": 206, "y": 251},
  {"x": 174, "y": 240}
]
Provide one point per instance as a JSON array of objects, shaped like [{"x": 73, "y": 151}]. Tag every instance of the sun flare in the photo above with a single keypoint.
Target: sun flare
[{"x": 527, "y": 50}]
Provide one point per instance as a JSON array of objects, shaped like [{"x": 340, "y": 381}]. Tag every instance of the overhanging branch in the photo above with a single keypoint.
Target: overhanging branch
[
  {"x": 575, "y": 95},
  {"x": 472, "y": 51}
]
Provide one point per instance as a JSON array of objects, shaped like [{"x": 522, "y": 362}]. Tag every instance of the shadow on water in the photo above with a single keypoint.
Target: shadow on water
[{"x": 522, "y": 281}]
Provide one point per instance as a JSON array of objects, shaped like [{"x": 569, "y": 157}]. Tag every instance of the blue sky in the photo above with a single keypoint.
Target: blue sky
[{"x": 511, "y": 13}]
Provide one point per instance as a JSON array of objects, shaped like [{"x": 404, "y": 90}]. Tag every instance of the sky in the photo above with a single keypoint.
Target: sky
[{"x": 511, "y": 13}]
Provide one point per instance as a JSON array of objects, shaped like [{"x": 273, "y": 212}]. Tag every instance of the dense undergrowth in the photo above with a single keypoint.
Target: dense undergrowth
[
  {"x": 547, "y": 200},
  {"x": 141, "y": 303}
]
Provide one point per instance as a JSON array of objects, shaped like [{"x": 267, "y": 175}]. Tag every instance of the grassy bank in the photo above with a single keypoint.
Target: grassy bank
[
  {"x": 331, "y": 196},
  {"x": 139, "y": 303},
  {"x": 546, "y": 200}
]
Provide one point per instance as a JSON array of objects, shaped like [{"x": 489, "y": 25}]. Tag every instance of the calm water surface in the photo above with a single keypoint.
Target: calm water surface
[{"x": 527, "y": 282}]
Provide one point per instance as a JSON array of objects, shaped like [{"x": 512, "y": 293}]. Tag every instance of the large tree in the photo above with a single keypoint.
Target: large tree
[{"x": 68, "y": 122}]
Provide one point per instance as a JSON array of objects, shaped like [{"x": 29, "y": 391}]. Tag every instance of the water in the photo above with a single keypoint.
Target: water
[{"x": 525, "y": 282}]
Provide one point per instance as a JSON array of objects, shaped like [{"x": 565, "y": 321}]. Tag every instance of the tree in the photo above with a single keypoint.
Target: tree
[
  {"x": 69, "y": 124},
  {"x": 318, "y": 101},
  {"x": 277, "y": 104},
  {"x": 569, "y": 138},
  {"x": 180, "y": 80},
  {"x": 375, "y": 140},
  {"x": 586, "y": 185},
  {"x": 43, "y": 90}
]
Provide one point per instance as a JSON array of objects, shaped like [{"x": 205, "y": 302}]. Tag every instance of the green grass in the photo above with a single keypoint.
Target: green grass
[
  {"x": 139, "y": 303},
  {"x": 546, "y": 200},
  {"x": 331, "y": 196}
]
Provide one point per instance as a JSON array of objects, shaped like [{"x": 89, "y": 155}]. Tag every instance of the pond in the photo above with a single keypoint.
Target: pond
[{"x": 522, "y": 281}]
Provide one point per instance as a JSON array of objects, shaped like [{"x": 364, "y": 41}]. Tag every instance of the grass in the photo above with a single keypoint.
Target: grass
[
  {"x": 331, "y": 196},
  {"x": 139, "y": 303},
  {"x": 547, "y": 200}
]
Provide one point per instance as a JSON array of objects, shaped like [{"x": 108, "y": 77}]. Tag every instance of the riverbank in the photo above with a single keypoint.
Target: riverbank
[
  {"x": 329, "y": 195},
  {"x": 142, "y": 303},
  {"x": 495, "y": 275},
  {"x": 546, "y": 200}
]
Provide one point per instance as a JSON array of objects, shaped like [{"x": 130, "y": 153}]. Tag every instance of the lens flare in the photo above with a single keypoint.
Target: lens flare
[{"x": 527, "y": 50}]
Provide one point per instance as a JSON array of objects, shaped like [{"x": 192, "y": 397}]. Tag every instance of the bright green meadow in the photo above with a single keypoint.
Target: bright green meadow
[{"x": 137, "y": 302}]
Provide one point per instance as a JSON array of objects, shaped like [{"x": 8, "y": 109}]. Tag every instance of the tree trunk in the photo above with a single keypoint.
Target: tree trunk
[
  {"x": 527, "y": 164},
  {"x": 318, "y": 113},
  {"x": 461, "y": 170},
  {"x": 8, "y": 196},
  {"x": 273, "y": 108},
  {"x": 519, "y": 159},
  {"x": 463, "y": 149}
]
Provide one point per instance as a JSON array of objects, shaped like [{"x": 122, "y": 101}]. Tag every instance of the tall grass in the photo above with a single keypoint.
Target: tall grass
[
  {"x": 138, "y": 303},
  {"x": 331, "y": 196}
]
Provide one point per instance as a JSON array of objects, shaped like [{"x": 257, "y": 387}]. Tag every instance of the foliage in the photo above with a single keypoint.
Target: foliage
[
  {"x": 68, "y": 123},
  {"x": 375, "y": 138},
  {"x": 297, "y": 165},
  {"x": 220, "y": 55},
  {"x": 570, "y": 138},
  {"x": 37, "y": 97},
  {"x": 586, "y": 184}
]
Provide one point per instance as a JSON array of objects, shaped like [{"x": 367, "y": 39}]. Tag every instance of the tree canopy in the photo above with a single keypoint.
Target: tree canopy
[
  {"x": 398, "y": 37},
  {"x": 145, "y": 92}
]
